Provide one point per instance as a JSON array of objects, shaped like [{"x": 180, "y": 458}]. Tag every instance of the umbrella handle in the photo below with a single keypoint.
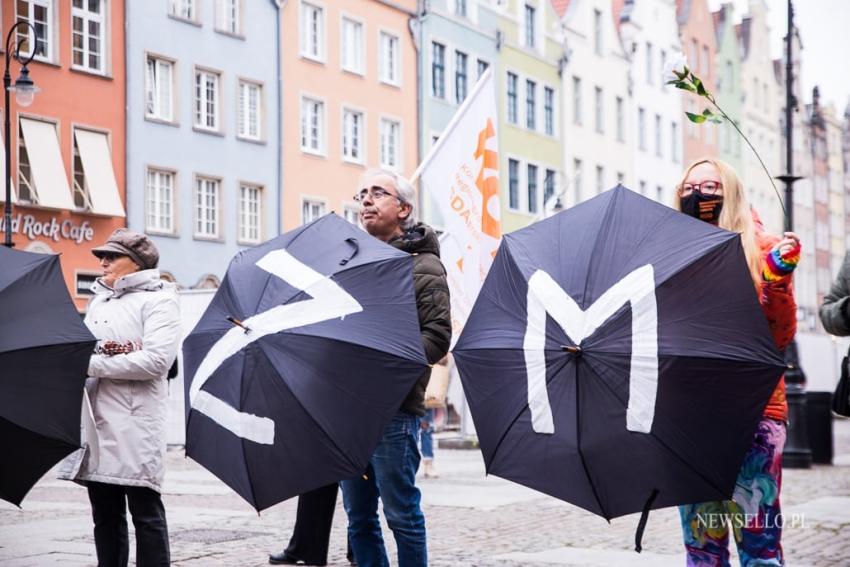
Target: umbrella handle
[{"x": 353, "y": 242}]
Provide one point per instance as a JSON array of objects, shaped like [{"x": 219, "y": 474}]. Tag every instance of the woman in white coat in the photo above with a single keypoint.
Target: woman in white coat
[{"x": 136, "y": 318}]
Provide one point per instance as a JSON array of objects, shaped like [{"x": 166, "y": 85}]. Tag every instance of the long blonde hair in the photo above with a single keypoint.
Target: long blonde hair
[{"x": 735, "y": 214}]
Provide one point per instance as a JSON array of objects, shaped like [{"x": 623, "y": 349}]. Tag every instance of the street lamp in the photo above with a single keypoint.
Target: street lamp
[
  {"x": 797, "y": 453},
  {"x": 25, "y": 91}
]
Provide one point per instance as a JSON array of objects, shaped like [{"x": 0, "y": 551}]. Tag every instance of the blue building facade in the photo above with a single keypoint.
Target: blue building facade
[
  {"x": 203, "y": 130},
  {"x": 458, "y": 43}
]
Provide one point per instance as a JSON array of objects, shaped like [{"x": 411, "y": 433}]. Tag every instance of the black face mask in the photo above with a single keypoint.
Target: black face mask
[{"x": 703, "y": 207}]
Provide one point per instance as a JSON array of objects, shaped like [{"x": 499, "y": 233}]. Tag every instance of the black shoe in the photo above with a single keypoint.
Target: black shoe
[{"x": 285, "y": 558}]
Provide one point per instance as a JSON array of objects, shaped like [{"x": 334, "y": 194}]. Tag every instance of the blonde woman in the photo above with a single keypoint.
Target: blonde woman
[{"x": 711, "y": 191}]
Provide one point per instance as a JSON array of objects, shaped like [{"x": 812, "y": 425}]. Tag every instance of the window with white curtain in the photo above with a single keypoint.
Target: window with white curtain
[
  {"x": 228, "y": 16},
  {"x": 312, "y": 125},
  {"x": 390, "y": 140},
  {"x": 250, "y": 213},
  {"x": 312, "y": 31},
  {"x": 159, "y": 201},
  {"x": 159, "y": 89},
  {"x": 352, "y": 135},
  {"x": 250, "y": 110},
  {"x": 389, "y": 59},
  {"x": 352, "y": 45}
]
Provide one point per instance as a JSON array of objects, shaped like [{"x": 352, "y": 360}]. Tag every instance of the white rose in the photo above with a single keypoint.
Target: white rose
[{"x": 678, "y": 63}]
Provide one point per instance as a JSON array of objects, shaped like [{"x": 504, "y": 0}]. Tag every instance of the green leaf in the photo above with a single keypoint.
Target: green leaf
[
  {"x": 700, "y": 87},
  {"x": 695, "y": 118},
  {"x": 712, "y": 117},
  {"x": 685, "y": 86}
]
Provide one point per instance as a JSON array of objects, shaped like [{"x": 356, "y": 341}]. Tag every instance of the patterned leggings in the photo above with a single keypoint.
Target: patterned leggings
[{"x": 753, "y": 513}]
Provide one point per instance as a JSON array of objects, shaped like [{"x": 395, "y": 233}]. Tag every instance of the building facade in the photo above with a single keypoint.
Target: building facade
[
  {"x": 650, "y": 34},
  {"x": 528, "y": 84},
  {"x": 598, "y": 104},
  {"x": 68, "y": 148},
  {"x": 458, "y": 43},
  {"x": 727, "y": 64},
  {"x": 699, "y": 43},
  {"x": 349, "y": 102},
  {"x": 760, "y": 110},
  {"x": 203, "y": 133}
]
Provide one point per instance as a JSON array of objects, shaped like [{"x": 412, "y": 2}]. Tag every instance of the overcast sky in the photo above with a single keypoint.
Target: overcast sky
[{"x": 825, "y": 32}]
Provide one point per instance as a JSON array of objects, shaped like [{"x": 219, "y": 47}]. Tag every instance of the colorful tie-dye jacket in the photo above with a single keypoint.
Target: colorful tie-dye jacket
[{"x": 777, "y": 302}]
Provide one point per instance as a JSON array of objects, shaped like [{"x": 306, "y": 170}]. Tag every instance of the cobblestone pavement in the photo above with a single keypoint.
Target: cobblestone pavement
[{"x": 471, "y": 519}]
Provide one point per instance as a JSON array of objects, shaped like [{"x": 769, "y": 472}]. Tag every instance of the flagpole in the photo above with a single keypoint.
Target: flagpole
[{"x": 452, "y": 124}]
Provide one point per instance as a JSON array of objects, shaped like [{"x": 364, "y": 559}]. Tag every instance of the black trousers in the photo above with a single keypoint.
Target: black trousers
[
  {"x": 313, "y": 522},
  {"x": 109, "y": 509}
]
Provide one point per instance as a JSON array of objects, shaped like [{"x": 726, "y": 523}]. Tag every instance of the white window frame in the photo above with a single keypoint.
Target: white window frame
[
  {"x": 350, "y": 209},
  {"x": 360, "y": 138},
  {"x": 305, "y": 8},
  {"x": 554, "y": 109},
  {"x": 445, "y": 71},
  {"x": 384, "y": 150},
  {"x": 532, "y": 42},
  {"x": 538, "y": 189},
  {"x": 228, "y": 23},
  {"x": 201, "y": 113},
  {"x": 576, "y": 85},
  {"x": 389, "y": 72},
  {"x": 531, "y": 103},
  {"x": 177, "y": 7},
  {"x": 216, "y": 209},
  {"x": 358, "y": 65},
  {"x": 508, "y": 74},
  {"x": 321, "y": 125},
  {"x": 243, "y": 230},
  {"x": 102, "y": 20},
  {"x": 156, "y": 91},
  {"x": 466, "y": 83},
  {"x": 620, "y": 110},
  {"x": 598, "y": 30},
  {"x": 641, "y": 120},
  {"x": 319, "y": 202},
  {"x": 23, "y": 32},
  {"x": 158, "y": 227},
  {"x": 598, "y": 109},
  {"x": 519, "y": 182},
  {"x": 243, "y": 110}
]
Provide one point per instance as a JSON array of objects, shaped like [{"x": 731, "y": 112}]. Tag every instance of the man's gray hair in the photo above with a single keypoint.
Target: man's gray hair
[{"x": 406, "y": 192}]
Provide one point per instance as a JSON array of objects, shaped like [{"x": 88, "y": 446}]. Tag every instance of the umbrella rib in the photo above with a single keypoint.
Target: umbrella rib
[
  {"x": 517, "y": 416},
  {"x": 581, "y": 454},
  {"x": 661, "y": 442},
  {"x": 319, "y": 425}
]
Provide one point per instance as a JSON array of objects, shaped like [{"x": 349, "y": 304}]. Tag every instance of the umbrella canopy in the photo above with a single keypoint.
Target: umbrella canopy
[
  {"x": 617, "y": 357},
  {"x": 305, "y": 353},
  {"x": 44, "y": 355}
]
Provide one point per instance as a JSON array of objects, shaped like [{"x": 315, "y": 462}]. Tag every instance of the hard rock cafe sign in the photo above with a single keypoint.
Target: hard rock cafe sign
[{"x": 56, "y": 230}]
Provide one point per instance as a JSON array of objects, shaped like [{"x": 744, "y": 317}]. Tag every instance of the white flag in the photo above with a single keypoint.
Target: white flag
[{"x": 461, "y": 176}]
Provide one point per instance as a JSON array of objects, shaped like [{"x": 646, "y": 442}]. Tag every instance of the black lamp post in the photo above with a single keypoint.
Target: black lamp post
[
  {"x": 25, "y": 91},
  {"x": 797, "y": 453}
]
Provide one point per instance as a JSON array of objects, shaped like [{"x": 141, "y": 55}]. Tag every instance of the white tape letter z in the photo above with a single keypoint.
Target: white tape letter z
[{"x": 328, "y": 301}]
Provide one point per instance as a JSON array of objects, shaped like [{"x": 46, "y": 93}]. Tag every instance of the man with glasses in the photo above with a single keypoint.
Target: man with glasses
[{"x": 388, "y": 212}]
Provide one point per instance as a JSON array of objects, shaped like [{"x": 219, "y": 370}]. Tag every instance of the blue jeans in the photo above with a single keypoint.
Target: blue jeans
[
  {"x": 391, "y": 474},
  {"x": 428, "y": 435}
]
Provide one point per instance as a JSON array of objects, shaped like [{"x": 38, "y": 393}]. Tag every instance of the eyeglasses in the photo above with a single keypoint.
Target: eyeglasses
[
  {"x": 376, "y": 192},
  {"x": 705, "y": 188}
]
